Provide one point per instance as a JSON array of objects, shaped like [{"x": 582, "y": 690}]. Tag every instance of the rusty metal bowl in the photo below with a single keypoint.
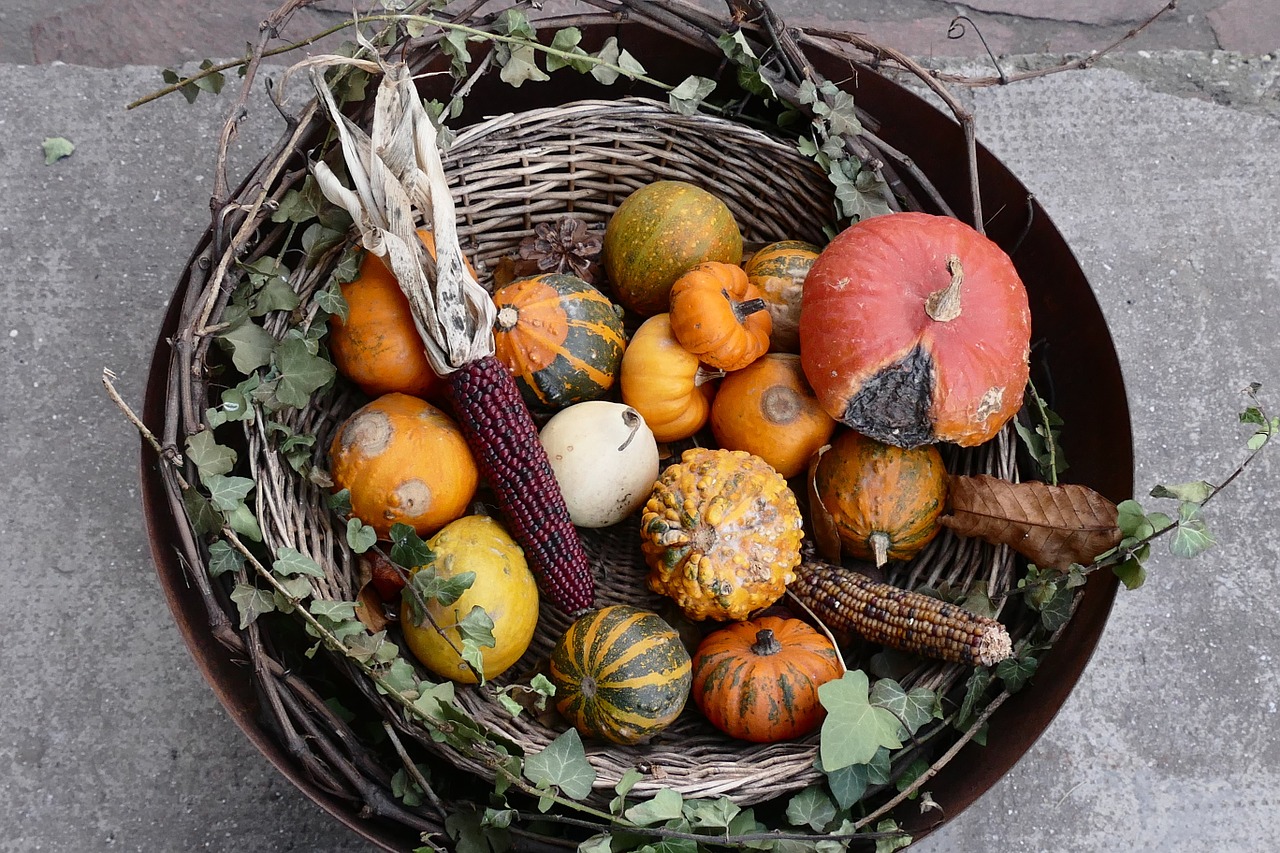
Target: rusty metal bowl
[{"x": 1074, "y": 360}]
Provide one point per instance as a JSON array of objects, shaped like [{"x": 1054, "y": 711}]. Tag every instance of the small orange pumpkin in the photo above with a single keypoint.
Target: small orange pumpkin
[
  {"x": 779, "y": 270},
  {"x": 720, "y": 316},
  {"x": 405, "y": 461},
  {"x": 759, "y": 680},
  {"x": 664, "y": 382},
  {"x": 885, "y": 501},
  {"x": 768, "y": 409}
]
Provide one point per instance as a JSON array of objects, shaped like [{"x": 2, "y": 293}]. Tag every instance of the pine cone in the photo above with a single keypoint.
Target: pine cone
[{"x": 566, "y": 246}]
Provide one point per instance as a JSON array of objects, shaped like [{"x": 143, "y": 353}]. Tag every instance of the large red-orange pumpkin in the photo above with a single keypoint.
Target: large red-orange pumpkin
[{"x": 915, "y": 329}]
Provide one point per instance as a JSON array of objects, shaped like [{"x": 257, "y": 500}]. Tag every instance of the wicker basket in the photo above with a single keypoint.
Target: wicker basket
[{"x": 507, "y": 174}]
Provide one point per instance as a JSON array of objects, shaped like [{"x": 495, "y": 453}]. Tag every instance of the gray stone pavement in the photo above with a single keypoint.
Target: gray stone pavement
[{"x": 1168, "y": 193}]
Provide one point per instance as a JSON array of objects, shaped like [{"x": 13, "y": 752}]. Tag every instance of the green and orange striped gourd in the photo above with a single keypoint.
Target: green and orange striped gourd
[
  {"x": 621, "y": 674},
  {"x": 758, "y": 680},
  {"x": 779, "y": 270},
  {"x": 562, "y": 339},
  {"x": 885, "y": 501},
  {"x": 658, "y": 233}
]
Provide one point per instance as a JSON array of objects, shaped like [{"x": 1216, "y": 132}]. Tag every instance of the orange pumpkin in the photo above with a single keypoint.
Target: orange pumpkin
[
  {"x": 885, "y": 501},
  {"x": 759, "y": 680},
  {"x": 779, "y": 270},
  {"x": 719, "y": 316},
  {"x": 768, "y": 409},
  {"x": 915, "y": 329},
  {"x": 404, "y": 461},
  {"x": 664, "y": 382},
  {"x": 377, "y": 346}
]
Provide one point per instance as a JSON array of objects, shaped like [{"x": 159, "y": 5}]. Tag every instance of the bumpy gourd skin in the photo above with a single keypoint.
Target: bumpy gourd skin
[{"x": 721, "y": 534}]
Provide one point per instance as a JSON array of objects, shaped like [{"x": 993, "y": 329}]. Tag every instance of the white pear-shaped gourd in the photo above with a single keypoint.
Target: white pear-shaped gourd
[{"x": 605, "y": 459}]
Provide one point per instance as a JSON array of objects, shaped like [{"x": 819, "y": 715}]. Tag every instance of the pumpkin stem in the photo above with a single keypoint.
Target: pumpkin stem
[
  {"x": 743, "y": 310},
  {"x": 632, "y": 420},
  {"x": 508, "y": 316},
  {"x": 707, "y": 374},
  {"x": 766, "y": 643},
  {"x": 944, "y": 305},
  {"x": 879, "y": 541}
]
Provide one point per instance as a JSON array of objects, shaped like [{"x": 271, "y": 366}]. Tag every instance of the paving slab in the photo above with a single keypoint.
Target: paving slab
[{"x": 110, "y": 740}]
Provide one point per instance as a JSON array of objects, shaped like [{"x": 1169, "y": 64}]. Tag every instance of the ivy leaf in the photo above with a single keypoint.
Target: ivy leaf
[
  {"x": 335, "y": 611},
  {"x": 1195, "y": 492},
  {"x": 431, "y": 587},
  {"x": 251, "y": 602},
  {"x": 854, "y": 728},
  {"x": 301, "y": 373},
  {"x": 520, "y": 66},
  {"x": 719, "y": 813},
  {"x": 56, "y": 148},
  {"x": 1057, "y": 610},
  {"x": 1016, "y": 672},
  {"x": 563, "y": 764},
  {"x": 454, "y": 46},
  {"x": 296, "y": 588},
  {"x": 275, "y": 295},
  {"x": 514, "y": 22},
  {"x": 567, "y": 40},
  {"x": 690, "y": 94},
  {"x": 290, "y": 561},
  {"x": 628, "y": 781},
  {"x": 407, "y": 547},
  {"x": 848, "y": 784},
  {"x": 242, "y": 521},
  {"x": 223, "y": 558},
  {"x": 209, "y": 456},
  {"x": 340, "y": 502},
  {"x": 608, "y": 55},
  {"x": 226, "y": 493},
  {"x": 630, "y": 64},
  {"x": 211, "y": 82},
  {"x": 331, "y": 301},
  {"x": 666, "y": 805},
  {"x": 975, "y": 687},
  {"x": 1131, "y": 573},
  {"x": 1192, "y": 536},
  {"x": 250, "y": 344},
  {"x": 477, "y": 627},
  {"x": 812, "y": 808},
  {"x": 894, "y": 842},
  {"x": 360, "y": 536},
  {"x": 912, "y": 709}
]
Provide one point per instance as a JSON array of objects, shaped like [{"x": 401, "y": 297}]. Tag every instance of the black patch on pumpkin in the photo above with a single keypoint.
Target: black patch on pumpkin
[{"x": 893, "y": 406}]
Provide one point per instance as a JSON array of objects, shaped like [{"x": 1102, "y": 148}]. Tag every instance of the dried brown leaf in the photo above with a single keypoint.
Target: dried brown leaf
[{"x": 1052, "y": 526}]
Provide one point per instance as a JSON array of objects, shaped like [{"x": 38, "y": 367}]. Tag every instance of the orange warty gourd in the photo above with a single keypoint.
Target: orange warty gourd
[
  {"x": 664, "y": 382},
  {"x": 768, "y": 409},
  {"x": 916, "y": 329},
  {"x": 758, "y": 680},
  {"x": 658, "y": 233},
  {"x": 779, "y": 270},
  {"x": 885, "y": 500},
  {"x": 378, "y": 347},
  {"x": 721, "y": 534},
  {"x": 719, "y": 316},
  {"x": 404, "y": 461}
]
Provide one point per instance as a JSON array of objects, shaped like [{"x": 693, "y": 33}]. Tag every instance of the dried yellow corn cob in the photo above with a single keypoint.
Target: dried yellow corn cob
[{"x": 898, "y": 618}]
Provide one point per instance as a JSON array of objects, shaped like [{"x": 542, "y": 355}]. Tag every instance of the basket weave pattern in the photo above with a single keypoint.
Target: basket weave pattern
[{"x": 508, "y": 174}]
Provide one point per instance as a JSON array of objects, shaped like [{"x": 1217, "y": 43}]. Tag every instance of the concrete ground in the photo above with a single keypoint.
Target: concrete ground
[{"x": 1158, "y": 167}]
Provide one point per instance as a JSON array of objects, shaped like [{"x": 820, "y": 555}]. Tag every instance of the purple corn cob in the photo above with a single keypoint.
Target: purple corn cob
[{"x": 504, "y": 440}]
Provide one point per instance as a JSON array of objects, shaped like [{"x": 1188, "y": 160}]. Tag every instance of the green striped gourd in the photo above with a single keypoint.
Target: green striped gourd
[
  {"x": 621, "y": 674},
  {"x": 561, "y": 338},
  {"x": 779, "y": 270}
]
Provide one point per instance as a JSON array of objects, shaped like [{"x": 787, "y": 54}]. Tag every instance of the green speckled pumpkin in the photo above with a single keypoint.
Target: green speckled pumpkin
[
  {"x": 658, "y": 233},
  {"x": 759, "y": 680},
  {"x": 562, "y": 338},
  {"x": 621, "y": 674}
]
